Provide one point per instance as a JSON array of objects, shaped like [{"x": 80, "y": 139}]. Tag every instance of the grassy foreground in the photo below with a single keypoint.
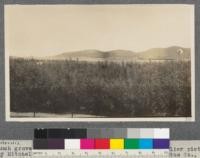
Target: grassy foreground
[{"x": 101, "y": 88}]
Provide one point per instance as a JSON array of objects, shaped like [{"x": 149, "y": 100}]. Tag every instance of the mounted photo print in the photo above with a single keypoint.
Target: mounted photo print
[{"x": 100, "y": 62}]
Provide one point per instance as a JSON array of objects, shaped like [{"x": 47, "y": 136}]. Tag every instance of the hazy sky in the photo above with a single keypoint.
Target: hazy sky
[{"x": 45, "y": 30}]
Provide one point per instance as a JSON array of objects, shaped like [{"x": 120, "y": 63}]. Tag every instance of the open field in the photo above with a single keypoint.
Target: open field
[{"x": 110, "y": 89}]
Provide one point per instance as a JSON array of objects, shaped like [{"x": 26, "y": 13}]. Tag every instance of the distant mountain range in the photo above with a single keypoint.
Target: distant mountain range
[{"x": 170, "y": 53}]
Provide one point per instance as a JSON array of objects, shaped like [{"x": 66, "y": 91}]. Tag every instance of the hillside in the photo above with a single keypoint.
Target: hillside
[
  {"x": 93, "y": 55},
  {"x": 166, "y": 53},
  {"x": 173, "y": 53}
]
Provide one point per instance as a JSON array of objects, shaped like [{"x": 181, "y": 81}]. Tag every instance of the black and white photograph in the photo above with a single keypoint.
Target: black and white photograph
[{"x": 99, "y": 62}]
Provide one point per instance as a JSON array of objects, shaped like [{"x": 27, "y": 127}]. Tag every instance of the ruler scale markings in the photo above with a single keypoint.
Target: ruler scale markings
[{"x": 108, "y": 153}]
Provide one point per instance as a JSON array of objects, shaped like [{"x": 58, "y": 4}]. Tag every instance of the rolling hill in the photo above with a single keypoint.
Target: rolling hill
[
  {"x": 166, "y": 53},
  {"x": 172, "y": 53},
  {"x": 96, "y": 55}
]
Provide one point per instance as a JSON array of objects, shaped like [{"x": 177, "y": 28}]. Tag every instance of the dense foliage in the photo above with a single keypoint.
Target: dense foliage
[{"x": 101, "y": 88}]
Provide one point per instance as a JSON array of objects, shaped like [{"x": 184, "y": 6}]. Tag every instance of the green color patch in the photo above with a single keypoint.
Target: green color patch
[{"x": 131, "y": 144}]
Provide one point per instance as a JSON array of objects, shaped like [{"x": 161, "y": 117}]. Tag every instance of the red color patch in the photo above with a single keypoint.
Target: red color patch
[{"x": 102, "y": 144}]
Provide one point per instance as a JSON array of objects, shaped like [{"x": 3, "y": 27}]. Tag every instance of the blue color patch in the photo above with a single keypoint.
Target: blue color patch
[{"x": 146, "y": 143}]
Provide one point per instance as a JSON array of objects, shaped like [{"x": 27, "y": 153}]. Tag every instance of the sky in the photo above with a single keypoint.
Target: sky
[{"x": 46, "y": 30}]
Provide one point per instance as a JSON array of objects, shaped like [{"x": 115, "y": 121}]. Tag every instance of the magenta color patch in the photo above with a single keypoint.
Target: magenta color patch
[{"x": 87, "y": 143}]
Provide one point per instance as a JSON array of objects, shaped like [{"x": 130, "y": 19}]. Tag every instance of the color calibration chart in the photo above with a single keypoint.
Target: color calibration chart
[{"x": 104, "y": 142}]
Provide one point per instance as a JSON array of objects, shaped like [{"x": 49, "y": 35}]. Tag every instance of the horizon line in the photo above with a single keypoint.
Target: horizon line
[{"x": 79, "y": 50}]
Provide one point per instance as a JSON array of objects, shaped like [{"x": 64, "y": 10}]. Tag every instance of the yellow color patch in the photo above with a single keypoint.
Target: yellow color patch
[{"x": 116, "y": 143}]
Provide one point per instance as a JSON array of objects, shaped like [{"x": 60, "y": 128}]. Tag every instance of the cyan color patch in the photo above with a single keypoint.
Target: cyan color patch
[{"x": 146, "y": 143}]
